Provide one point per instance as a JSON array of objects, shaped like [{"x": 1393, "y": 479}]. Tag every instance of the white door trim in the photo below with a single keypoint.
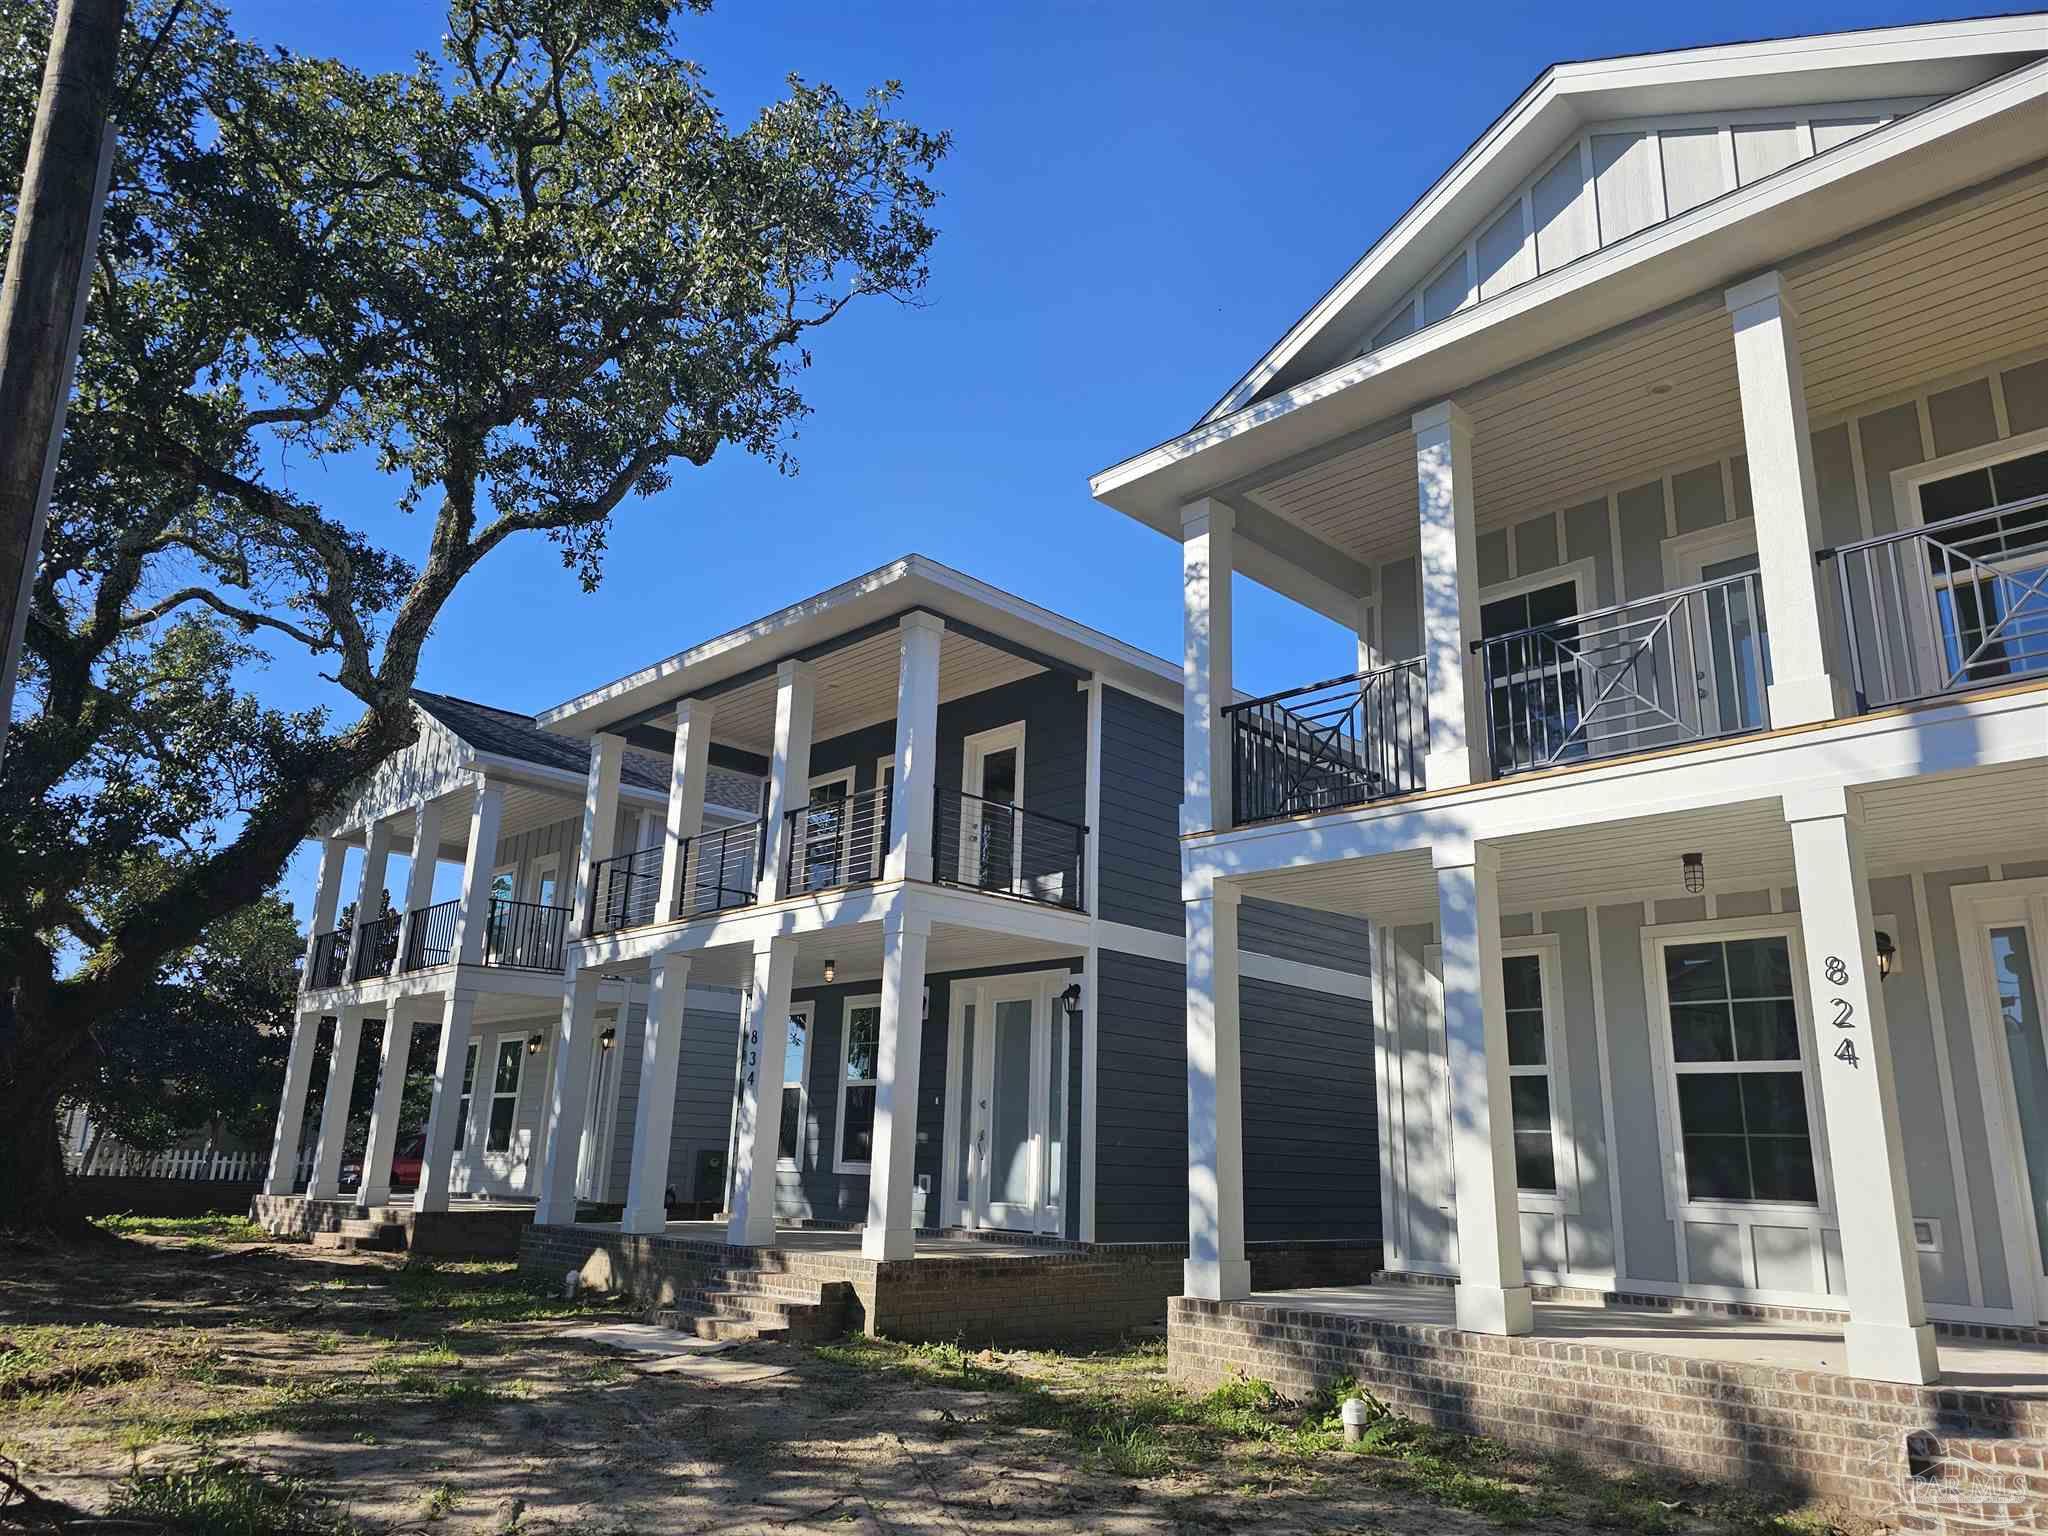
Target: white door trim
[{"x": 974, "y": 751}]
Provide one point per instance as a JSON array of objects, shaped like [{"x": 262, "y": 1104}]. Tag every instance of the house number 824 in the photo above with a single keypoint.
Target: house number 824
[{"x": 1836, "y": 970}]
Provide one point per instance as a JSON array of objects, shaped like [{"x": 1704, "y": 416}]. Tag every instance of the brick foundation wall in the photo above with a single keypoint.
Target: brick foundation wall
[
  {"x": 1065, "y": 1295},
  {"x": 1804, "y": 1431},
  {"x": 493, "y": 1233}
]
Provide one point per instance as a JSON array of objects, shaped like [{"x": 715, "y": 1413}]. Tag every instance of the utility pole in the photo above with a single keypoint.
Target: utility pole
[{"x": 42, "y": 298}]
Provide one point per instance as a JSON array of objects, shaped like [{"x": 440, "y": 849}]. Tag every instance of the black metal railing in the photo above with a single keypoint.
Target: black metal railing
[
  {"x": 1690, "y": 664},
  {"x": 431, "y": 938},
  {"x": 1347, "y": 741},
  {"x": 719, "y": 870},
  {"x": 989, "y": 845},
  {"x": 625, "y": 892},
  {"x": 832, "y": 843},
  {"x": 1955, "y": 605},
  {"x": 379, "y": 947},
  {"x": 327, "y": 967},
  {"x": 525, "y": 936}
]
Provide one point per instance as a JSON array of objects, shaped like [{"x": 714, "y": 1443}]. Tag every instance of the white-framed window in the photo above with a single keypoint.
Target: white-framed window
[
  {"x": 505, "y": 882},
  {"x": 508, "y": 1066},
  {"x": 991, "y": 851},
  {"x": 1535, "y": 1071},
  {"x": 1737, "y": 1050},
  {"x": 824, "y": 830},
  {"x": 860, "y": 1050},
  {"x": 1533, "y": 686},
  {"x": 544, "y": 880},
  {"x": 468, "y": 1088},
  {"x": 796, "y": 1060}
]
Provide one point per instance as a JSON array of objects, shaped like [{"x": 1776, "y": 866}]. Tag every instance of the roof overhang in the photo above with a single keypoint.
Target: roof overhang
[
  {"x": 853, "y": 609},
  {"x": 1936, "y": 59},
  {"x": 1956, "y": 144}
]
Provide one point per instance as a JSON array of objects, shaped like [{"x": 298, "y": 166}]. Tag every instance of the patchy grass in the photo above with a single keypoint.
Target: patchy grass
[
  {"x": 487, "y": 1291},
  {"x": 205, "y": 1229},
  {"x": 220, "y": 1497}
]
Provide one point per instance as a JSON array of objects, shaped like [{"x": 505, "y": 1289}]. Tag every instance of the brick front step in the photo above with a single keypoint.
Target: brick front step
[
  {"x": 713, "y": 1311},
  {"x": 353, "y": 1236}
]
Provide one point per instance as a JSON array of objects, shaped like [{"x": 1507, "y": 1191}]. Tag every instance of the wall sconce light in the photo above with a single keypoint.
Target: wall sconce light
[
  {"x": 608, "y": 1039},
  {"x": 831, "y": 970},
  {"x": 1887, "y": 952},
  {"x": 534, "y": 1043},
  {"x": 1695, "y": 872},
  {"x": 1071, "y": 999}
]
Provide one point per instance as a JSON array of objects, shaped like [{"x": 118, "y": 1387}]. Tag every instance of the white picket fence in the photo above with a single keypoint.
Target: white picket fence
[{"x": 198, "y": 1164}]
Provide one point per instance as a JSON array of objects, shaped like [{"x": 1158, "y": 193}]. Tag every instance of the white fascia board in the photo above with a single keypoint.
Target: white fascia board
[
  {"x": 912, "y": 581},
  {"x": 1936, "y": 59},
  {"x": 1968, "y": 733},
  {"x": 1981, "y": 134}
]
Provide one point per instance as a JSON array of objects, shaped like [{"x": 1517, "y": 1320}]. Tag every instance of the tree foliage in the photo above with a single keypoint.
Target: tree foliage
[{"x": 531, "y": 277}]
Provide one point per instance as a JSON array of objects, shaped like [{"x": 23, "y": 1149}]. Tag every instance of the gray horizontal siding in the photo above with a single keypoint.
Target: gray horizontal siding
[
  {"x": 1141, "y": 1100},
  {"x": 1139, "y": 869},
  {"x": 1328, "y": 939},
  {"x": 1311, "y": 1114},
  {"x": 703, "y": 1112}
]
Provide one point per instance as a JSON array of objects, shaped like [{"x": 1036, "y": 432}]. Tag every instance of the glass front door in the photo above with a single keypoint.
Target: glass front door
[
  {"x": 1008, "y": 1105},
  {"x": 2013, "y": 936}
]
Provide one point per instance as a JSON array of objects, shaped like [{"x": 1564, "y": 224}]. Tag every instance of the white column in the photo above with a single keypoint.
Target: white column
[
  {"x": 473, "y": 917},
  {"x": 1450, "y": 596},
  {"x": 891, "y": 1231},
  {"x": 438, "y": 1165},
  {"x": 326, "y": 898},
  {"x": 291, "y": 1108},
  {"x": 419, "y": 878},
  {"x": 917, "y": 747},
  {"x": 369, "y": 889},
  {"x": 375, "y": 1188},
  {"x": 1782, "y": 488},
  {"x": 684, "y": 818},
  {"x": 1492, "y": 1294},
  {"x": 789, "y": 769},
  {"x": 1217, "y": 1268},
  {"x": 325, "y": 1183},
  {"x": 1888, "y": 1337},
  {"x": 750, "y": 1210},
  {"x": 568, "y": 1096},
  {"x": 661, "y": 1050},
  {"x": 1368, "y": 649},
  {"x": 600, "y": 823},
  {"x": 1208, "y": 557}
]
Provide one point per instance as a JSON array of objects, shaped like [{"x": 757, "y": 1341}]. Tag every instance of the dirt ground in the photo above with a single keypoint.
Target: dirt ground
[{"x": 199, "y": 1380}]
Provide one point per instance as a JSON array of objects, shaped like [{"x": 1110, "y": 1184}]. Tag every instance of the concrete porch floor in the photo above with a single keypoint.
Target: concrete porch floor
[{"x": 1966, "y": 1365}]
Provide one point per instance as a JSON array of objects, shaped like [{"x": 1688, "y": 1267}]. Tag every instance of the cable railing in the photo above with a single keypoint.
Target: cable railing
[
  {"x": 991, "y": 845},
  {"x": 1954, "y": 605},
  {"x": 379, "y": 947},
  {"x": 719, "y": 870},
  {"x": 525, "y": 936},
  {"x": 329, "y": 960},
  {"x": 625, "y": 892},
  {"x": 1690, "y": 664},
  {"x": 430, "y": 940},
  {"x": 834, "y": 843},
  {"x": 1346, "y": 741}
]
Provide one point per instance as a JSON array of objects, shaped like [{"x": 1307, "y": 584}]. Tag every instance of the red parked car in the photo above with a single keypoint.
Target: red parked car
[{"x": 405, "y": 1165}]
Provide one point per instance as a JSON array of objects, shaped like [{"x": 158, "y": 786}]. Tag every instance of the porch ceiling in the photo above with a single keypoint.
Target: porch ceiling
[
  {"x": 1949, "y": 821},
  {"x": 856, "y": 686},
  {"x": 1942, "y": 290}
]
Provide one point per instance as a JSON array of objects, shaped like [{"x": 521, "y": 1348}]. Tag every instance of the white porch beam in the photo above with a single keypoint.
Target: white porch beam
[
  {"x": 419, "y": 879},
  {"x": 1783, "y": 489},
  {"x": 374, "y": 1188},
  {"x": 291, "y": 1107},
  {"x": 437, "y": 1165},
  {"x": 1492, "y": 1294},
  {"x": 473, "y": 917},
  {"x": 684, "y": 817},
  {"x": 568, "y": 1098},
  {"x": 1450, "y": 596},
  {"x": 600, "y": 823},
  {"x": 369, "y": 890},
  {"x": 789, "y": 768},
  {"x": 917, "y": 747},
  {"x": 1208, "y": 559},
  {"x": 1217, "y": 1268},
  {"x": 891, "y": 1232},
  {"x": 661, "y": 1051},
  {"x": 1888, "y": 1337},
  {"x": 750, "y": 1212},
  {"x": 326, "y": 899},
  {"x": 325, "y": 1183}
]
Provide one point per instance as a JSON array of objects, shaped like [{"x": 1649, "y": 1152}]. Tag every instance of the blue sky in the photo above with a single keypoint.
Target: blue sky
[{"x": 1140, "y": 199}]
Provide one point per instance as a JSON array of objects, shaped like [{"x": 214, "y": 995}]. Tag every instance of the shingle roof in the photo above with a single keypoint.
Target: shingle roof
[{"x": 507, "y": 733}]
